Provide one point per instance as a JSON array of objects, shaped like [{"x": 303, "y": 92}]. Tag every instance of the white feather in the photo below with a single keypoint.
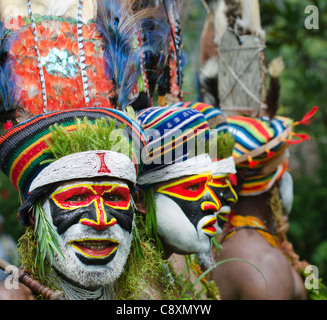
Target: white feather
[
  {"x": 220, "y": 21},
  {"x": 251, "y": 17}
]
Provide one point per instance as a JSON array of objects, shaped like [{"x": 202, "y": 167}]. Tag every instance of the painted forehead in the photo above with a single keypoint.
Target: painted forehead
[
  {"x": 104, "y": 183},
  {"x": 185, "y": 187}
]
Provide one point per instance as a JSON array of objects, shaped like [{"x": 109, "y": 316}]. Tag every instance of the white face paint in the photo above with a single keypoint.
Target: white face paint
[
  {"x": 286, "y": 192},
  {"x": 85, "y": 261},
  {"x": 175, "y": 228}
]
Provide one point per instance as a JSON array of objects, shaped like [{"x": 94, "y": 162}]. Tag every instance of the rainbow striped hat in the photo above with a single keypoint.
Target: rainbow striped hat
[
  {"x": 214, "y": 116},
  {"x": 260, "y": 148},
  {"x": 175, "y": 136},
  {"x": 23, "y": 153}
]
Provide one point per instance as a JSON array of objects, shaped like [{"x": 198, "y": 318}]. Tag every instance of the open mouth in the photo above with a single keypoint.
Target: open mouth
[
  {"x": 209, "y": 226},
  {"x": 95, "y": 249}
]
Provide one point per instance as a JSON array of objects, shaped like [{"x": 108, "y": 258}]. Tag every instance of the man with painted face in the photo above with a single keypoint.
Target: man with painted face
[
  {"x": 179, "y": 205},
  {"x": 220, "y": 150},
  {"x": 255, "y": 232},
  {"x": 77, "y": 207}
]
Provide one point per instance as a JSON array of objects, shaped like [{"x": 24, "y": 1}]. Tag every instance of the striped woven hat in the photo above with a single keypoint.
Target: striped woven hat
[
  {"x": 214, "y": 116},
  {"x": 176, "y": 143},
  {"x": 260, "y": 149},
  {"x": 23, "y": 152}
]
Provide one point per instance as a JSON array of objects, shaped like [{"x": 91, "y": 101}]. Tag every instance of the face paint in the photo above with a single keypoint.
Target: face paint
[
  {"x": 94, "y": 221},
  {"x": 286, "y": 192},
  {"x": 97, "y": 205},
  {"x": 223, "y": 189},
  {"x": 189, "y": 222}
]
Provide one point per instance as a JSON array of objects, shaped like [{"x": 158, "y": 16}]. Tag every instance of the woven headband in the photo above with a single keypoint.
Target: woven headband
[
  {"x": 22, "y": 147},
  {"x": 260, "y": 148},
  {"x": 172, "y": 133}
]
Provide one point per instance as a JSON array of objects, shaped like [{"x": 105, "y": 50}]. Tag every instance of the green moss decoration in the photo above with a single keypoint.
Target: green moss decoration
[{"x": 100, "y": 134}]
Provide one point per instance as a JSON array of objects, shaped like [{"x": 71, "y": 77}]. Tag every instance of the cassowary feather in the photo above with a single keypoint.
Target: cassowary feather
[
  {"x": 8, "y": 101},
  {"x": 120, "y": 23}
]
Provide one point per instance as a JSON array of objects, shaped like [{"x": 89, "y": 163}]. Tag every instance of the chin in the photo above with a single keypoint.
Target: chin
[
  {"x": 177, "y": 231},
  {"x": 90, "y": 273}
]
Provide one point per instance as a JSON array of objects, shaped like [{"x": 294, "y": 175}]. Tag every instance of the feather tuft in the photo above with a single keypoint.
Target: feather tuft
[
  {"x": 276, "y": 67},
  {"x": 8, "y": 101}
]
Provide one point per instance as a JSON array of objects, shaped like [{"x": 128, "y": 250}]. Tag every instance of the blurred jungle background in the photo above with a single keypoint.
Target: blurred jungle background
[{"x": 303, "y": 86}]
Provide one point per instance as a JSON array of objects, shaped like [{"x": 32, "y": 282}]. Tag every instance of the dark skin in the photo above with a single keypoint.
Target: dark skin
[{"x": 238, "y": 280}]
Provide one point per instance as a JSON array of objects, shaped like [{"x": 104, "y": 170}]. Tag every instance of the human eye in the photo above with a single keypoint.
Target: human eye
[
  {"x": 77, "y": 198},
  {"x": 112, "y": 197}
]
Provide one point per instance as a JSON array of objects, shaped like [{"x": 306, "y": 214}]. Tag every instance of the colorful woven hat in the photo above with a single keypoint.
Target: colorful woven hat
[
  {"x": 24, "y": 151},
  {"x": 174, "y": 136},
  {"x": 214, "y": 116},
  {"x": 260, "y": 148},
  {"x": 220, "y": 142}
]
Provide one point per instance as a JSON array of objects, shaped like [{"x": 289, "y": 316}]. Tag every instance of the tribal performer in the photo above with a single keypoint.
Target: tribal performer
[
  {"x": 178, "y": 204},
  {"x": 255, "y": 236},
  {"x": 67, "y": 73}
]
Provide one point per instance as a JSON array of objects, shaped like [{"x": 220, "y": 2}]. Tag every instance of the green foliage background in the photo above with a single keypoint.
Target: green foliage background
[{"x": 303, "y": 86}]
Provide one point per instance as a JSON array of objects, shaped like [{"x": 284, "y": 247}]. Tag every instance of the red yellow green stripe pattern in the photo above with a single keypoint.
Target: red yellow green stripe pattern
[{"x": 22, "y": 147}]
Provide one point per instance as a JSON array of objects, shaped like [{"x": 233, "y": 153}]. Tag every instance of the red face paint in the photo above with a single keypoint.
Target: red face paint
[
  {"x": 112, "y": 195},
  {"x": 191, "y": 189}
]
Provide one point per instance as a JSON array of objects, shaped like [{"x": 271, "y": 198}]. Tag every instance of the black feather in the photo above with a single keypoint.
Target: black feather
[{"x": 8, "y": 86}]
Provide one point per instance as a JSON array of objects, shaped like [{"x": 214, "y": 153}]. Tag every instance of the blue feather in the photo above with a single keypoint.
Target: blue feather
[
  {"x": 119, "y": 25},
  {"x": 122, "y": 60},
  {"x": 8, "y": 101}
]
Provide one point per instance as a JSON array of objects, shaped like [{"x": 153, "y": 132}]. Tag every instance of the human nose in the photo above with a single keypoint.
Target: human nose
[
  {"x": 231, "y": 195},
  {"x": 99, "y": 217},
  {"x": 211, "y": 204}
]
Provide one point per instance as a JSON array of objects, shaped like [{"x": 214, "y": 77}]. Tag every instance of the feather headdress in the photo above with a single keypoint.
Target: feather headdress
[
  {"x": 237, "y": 26},
  {"x": 8, "y": 102},
  {"x": 61, "y": 62}
]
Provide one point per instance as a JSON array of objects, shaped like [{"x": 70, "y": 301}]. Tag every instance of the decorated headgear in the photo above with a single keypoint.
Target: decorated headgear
[
  {"x": 25, "y": 155},
  {"x": 49, "y": 63},
  {"x": 220, "y": 142},
  {"x": 174, "y": 135},
  {"x": 260, "y": 148},
  {"x": 214, "y": 116}
]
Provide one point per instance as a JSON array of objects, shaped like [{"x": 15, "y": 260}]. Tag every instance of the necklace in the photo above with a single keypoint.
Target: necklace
[
  {"x": 80, "y": 50},
  {"x": 75, "y": 293}
]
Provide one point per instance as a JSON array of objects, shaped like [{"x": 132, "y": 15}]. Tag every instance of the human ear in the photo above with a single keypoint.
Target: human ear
[
  {"x": 140, "y": 205},
  {"x": 31, "y": 219}
]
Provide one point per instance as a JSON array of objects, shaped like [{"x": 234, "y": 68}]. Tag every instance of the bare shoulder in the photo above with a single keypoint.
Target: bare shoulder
[{"x": 253, "y": 269}]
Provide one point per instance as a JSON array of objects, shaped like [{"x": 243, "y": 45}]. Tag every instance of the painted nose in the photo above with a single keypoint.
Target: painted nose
[
  {"x": 100, "y": 221},
  {"x": 231, "y": 195},
  {"x": 212, "y": 203}
]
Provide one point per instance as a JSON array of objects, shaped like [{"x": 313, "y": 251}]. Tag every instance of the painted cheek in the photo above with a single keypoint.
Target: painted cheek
[{"x": 90, "y": 216}]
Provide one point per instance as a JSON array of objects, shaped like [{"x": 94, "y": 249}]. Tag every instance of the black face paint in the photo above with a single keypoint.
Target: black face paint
[
  {"x": 97, "y": 205},
  {"x": 63, "y": 219},
  {"x": 224, "y": 194},
  {"x": 192, "y": 209}
]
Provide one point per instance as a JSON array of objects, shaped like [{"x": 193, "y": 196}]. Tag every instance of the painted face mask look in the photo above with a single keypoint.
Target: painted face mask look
[
  {"x": 94, "y": 223},
  {"x": 185, "y": 206},
  {"x": 186, "y": 213},
  {"x": 222, "y": 185}
]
